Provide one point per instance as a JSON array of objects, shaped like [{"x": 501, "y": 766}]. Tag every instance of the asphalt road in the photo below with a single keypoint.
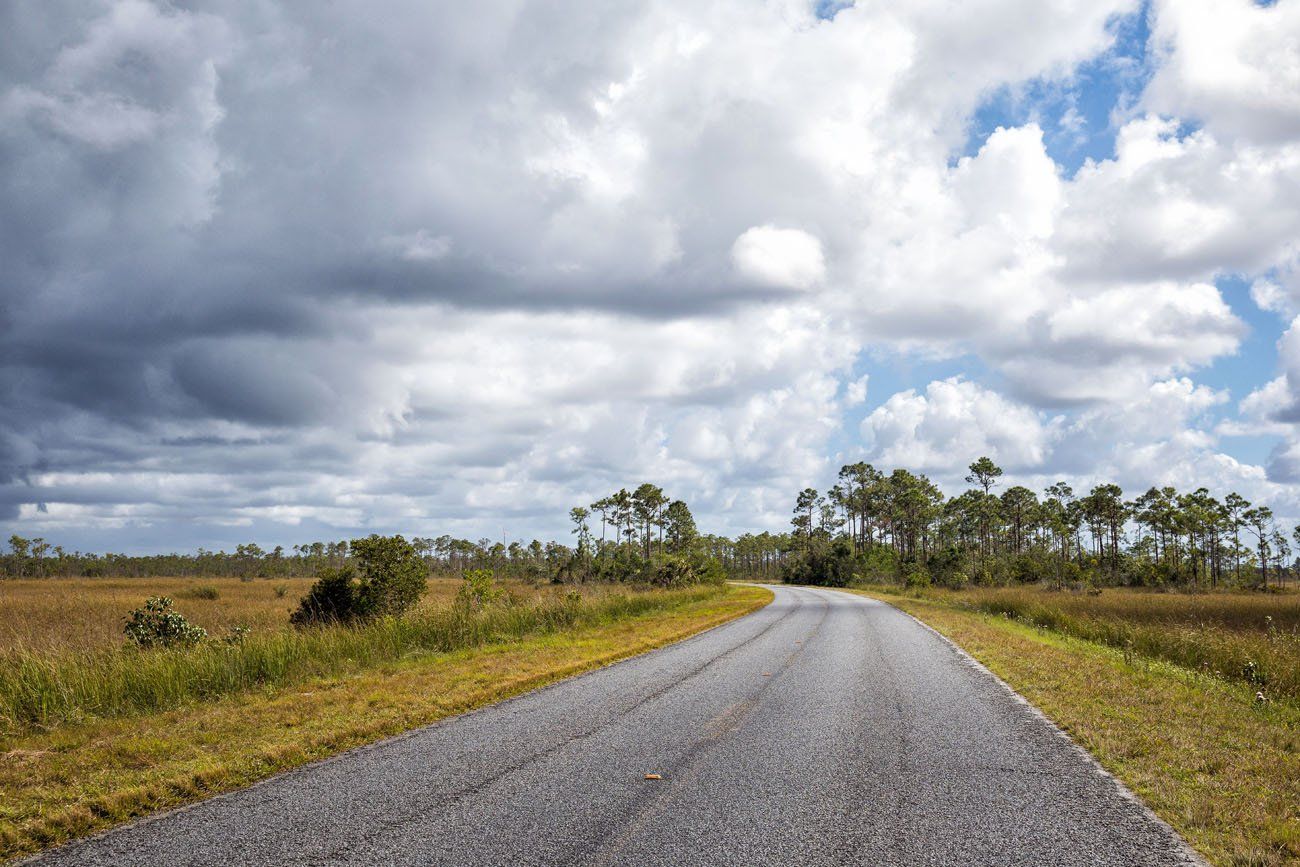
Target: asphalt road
[{"x": 824, "y": 729}]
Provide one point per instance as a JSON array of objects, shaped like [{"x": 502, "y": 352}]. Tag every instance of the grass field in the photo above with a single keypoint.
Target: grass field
[
  {"x": 79, "y": 614},
  {"x": 70, "y": 776},
  {"x": 1251, "y": 637},
  {"x": 66, "y": 671},
  {"x": 1221, "y": 767}
]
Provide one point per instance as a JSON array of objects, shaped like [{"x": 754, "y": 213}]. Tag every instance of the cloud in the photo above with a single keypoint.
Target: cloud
[
  {"x": 855, "y": 392},
  {"x": 419, "y": 246},
  {"x": 1000, "y": 257},
  {"x": 1181, "y": 206},
  {"x": 788, "y": 258},
  {"x": 954, "y": 422},
  {"x": 274, "y": 267},
  {"x": 1268, "y": 295},
  {"x": 1273, "y": 409},
  {"x": 1230, "y": 64}
]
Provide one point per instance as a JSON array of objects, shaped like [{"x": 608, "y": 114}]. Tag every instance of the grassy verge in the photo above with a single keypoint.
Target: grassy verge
[
  {"x": 52, "y": 689},
  {"x": 1222, "y": 769},
  {"x": 72, "y": 779},
  {"x": 1254, "y": 638}
]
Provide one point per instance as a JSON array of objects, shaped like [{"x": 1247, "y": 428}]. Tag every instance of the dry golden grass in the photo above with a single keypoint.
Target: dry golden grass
[
  {"x": 1239, "y": 611},
  {"x": 1251, "y": 637},
  {"x": 74, "y": 678},
  {"x": 75, "y": 779},
  {"x": 82, "y": 614},
  {"x": 1220, "y": 768}
]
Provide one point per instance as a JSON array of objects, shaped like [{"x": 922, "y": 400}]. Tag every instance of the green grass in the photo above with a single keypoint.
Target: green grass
[
  {"x": 51, "y": 689},
  {"x": 1220, "y": 767},
  {"x": 72, "y": 779},
  {"x": 1249, "y": 637}
]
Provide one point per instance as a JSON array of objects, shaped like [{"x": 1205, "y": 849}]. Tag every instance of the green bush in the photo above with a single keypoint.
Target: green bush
[
  {"x": 917, "y": 577},
  {"x": 625, "y": 566},
  {"x": 205, "y": 592},
  {"x": 236, "y": 635},
  {"x": 710, "y": 571},
  {"x": 332, "y": 599},
  {"x": 956, "y": 580},
  {"x": 157, "y": 625},
  {"x": 822, "y": 564},
  {"x": 673, "y": 571},
  {"x": 391, "y": 575},
  {"x": 879, "y": 564},
  {"x": 387, "y": 577},
  {"x": 478, "y": 589}
]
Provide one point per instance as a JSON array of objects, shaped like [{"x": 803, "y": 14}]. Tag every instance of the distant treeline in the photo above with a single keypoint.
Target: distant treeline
[
  {"x": 898, "y": 527},
  {"x": 869, "y": 527},
  {"x": 639, "y": 536},
  {"x": 35, "y": 558}
]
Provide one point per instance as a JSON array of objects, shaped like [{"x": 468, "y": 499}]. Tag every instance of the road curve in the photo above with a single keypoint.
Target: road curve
[{"x": 824, "y": 729}]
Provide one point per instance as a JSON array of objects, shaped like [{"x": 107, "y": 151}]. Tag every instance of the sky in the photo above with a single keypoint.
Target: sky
[{"x": 284, "y": 272}]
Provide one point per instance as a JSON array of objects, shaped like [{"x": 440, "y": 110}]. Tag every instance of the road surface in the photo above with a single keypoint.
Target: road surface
[{"x": 824, "y": 729}]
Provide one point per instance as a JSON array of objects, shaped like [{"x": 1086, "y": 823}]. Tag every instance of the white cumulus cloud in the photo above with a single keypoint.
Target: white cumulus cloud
[{"x": 787, "y": 258}]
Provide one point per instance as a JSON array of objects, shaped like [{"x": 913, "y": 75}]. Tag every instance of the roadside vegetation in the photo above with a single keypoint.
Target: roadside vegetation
[
  {"x": 46, "y": 690},
  {"x": 66, "y": 615},
  {"x": 1212, "y": 748},
  {"x": 1253, "y": 639}
]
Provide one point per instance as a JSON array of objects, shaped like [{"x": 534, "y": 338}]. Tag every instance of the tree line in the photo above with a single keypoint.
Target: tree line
[
  {"x": 644, "y": 536},
  {"x": 869, "y": 526},
  {"x": 37, "y": 558},
  {"x": 638, "y": 536},
  {"x": 898, "y": 526}
]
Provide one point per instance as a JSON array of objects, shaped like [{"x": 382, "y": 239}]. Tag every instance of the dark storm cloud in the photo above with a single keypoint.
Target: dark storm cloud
[{"x": 174, "y": 176}]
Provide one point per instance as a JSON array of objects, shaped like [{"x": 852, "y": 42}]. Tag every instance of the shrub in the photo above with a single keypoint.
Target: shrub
[
  {"x": 917, "y": 577},
  {"x": 826, "y": 565},
  {"x": 281, "y": 591},
  {"x": 331, "y": 599},
  {"x": 710, "y": 571},
  {"x": 205, "y": 592},
  {"x": 392, "y": 575},
  {"x": 879, "y": 564},
  {"x": 157, "y": 625},
  {"x": 673, "y": 571},
  {"x": 387, "y": 578},
  {"x": 625, "y": 566},
  {"x": 479, "y": 589},
  {"x": 956, "y": 580}
]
